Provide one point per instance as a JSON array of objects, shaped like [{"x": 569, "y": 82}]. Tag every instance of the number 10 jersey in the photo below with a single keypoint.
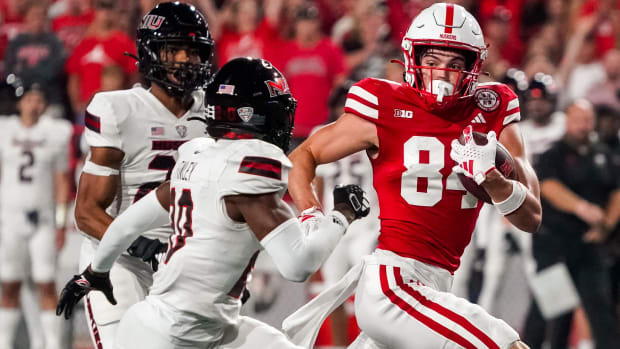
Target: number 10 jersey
[{"x": 425, "y": 212}]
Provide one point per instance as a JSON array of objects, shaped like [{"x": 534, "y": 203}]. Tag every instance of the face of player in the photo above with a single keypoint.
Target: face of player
[
  {"x": 31, "y": 105},
  {"x": 445, "y": 59},
  {"x": 173, "y": 54}
]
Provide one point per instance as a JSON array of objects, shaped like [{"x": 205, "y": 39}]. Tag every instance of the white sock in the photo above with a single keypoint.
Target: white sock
[
  {"x": 9, "y": 318},
  {"x": 51, "y": 329}
]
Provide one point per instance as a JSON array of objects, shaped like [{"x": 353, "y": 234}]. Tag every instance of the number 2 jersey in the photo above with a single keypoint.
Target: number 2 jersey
[
  {"x": 29, "y": 159},
  {"x": 425, "y": 212},
  {"x": 210, "y": 255},
  {"x": 138, "y": 124}
]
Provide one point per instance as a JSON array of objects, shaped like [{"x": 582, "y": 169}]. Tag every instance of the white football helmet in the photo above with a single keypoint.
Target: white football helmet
[{"x": 444, "y": 26}]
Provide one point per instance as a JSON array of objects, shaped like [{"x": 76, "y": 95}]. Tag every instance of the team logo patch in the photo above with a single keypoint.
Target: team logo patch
[
  {"x": 487, "y": 99},
  {"x": 152, "y": 22},
  {"x": 278, "y": 87},
  {"x": 245, "y": 113},
  {"x": 181, "y": 130}
]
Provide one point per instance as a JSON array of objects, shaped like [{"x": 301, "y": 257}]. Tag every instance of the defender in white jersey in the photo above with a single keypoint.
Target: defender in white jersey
[
  {"x": 225, "y": 202},
  {"x": 33, "y": 185},
  {"x": 133, "y": 137}
]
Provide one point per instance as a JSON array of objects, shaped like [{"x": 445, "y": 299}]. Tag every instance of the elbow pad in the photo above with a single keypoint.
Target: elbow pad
[
  {"x": 299, "y": 249},
  {"x": 142, "y": 216}
]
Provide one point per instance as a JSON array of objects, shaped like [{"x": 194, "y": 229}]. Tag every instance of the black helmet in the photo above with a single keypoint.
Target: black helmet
[
  {"x": 250, "y": 98},
  {"x": 174, "y": 23}
]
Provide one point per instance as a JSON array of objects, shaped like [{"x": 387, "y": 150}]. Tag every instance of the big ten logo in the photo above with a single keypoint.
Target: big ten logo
[{"x": 401, "y": 113}]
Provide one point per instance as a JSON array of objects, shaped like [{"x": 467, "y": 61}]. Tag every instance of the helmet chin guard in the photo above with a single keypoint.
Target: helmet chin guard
[{"x": 447, "y": 27}]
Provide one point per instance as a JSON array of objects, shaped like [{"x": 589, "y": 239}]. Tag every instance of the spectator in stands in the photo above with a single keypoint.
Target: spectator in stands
[
  {"x": 11, "y": 23},
  {"x": 577, "y": 182},
  {"x": 37, "y": 56},
  {"x": 366, "y": 41},
  {"x": 313, "y": 65},
  {"x": 243, "y": 33},
  {"x": 71, "y": 25},
  {"x": 608, "y": 91},
  {"x": 102, "y": 46}
]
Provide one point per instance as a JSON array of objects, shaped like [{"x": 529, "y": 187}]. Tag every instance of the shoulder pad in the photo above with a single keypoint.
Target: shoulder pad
[
  {"x": 363, "y": 98},
  {"x": 104, "y": 116},
  {"x": 255, "y": 167}
]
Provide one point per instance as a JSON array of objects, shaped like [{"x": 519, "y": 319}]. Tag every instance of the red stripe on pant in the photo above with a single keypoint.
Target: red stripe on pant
[
  {"x": 93, "y": 325},
  {"x": 430, "y": 323}
]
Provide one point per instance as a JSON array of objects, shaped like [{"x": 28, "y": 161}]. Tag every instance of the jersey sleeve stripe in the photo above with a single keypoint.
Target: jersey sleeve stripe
[
  {"x": 363, "y": 94},
  {"x": 514, "y": 117},
  {"x": 256, "y": 165},
  {"x": 512, "y": 104},
  {"x": 92, "y": 122},
  {"x": 361, "y": 109}
]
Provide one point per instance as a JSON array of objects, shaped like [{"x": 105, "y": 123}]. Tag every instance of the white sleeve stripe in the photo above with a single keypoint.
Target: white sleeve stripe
[
  {"x": 365, "y": 95},
  {"x": 361, "y": 108},
  {"x": 512, "y": 104},
  {"x": 512, "y": 117},
  {"x": 490, "y": 83}
]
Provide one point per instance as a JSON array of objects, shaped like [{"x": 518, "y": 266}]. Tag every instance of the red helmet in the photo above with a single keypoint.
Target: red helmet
[{"x": 444, "y": 26}]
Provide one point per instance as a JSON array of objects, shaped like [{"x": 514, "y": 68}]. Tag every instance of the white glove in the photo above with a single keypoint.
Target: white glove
[{"x": 473, "y": 160}]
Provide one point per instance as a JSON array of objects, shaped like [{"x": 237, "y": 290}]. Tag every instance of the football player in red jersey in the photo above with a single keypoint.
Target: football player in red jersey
[{"x": 427, "y": 218}]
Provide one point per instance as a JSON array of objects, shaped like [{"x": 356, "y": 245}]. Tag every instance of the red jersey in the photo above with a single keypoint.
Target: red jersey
[{"x": 425, "y": 212}]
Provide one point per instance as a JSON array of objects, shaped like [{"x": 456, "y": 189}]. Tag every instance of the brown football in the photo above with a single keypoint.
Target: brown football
[{"x": 503, "y": 162}]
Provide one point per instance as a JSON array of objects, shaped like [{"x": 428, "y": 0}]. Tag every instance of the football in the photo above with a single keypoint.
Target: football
[{"x": 503, "y": 162}]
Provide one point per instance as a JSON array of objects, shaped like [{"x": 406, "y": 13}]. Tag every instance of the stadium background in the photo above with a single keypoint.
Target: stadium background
[{"x": 570, "y": 44}]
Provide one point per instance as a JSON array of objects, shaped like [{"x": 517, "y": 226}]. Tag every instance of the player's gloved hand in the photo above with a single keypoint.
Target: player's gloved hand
[
  {"x": 473, "y": 160},
  {"x": 245, "y": 296},
  {"x": 353, "y": 197},
  {"x": 149, "y": 250},
  {"x": 79, "y": 286}
]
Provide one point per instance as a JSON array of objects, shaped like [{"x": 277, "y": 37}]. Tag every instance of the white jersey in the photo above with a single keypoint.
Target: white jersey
[
  {"x": 539, "y": 139},
  {"x": 138, "y": 124},
  {"x": 210, "y": 255},
  {"x": 29, "y": 158}
]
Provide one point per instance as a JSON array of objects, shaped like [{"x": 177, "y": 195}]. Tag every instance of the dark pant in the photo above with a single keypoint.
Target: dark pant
[{"x": 586, "y": 265}]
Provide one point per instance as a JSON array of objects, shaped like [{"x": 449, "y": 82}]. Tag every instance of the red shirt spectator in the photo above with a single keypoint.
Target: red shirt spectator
[
  {"x": 313, "y": 66},
  {"x": 11, "y": 24},
  {"x": 256, "y": 43},
  {"x": 70, "y": 27},
  {"x": 96, "y": 52}
]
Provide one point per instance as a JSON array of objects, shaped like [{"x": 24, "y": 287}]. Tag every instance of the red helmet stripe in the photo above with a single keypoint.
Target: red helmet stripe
[{"x": 449, "y": 18}]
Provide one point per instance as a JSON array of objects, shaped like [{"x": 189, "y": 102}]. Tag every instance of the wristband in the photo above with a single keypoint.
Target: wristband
[
  {"x": 98, "y": 170},
  {"x": 61, "y": 216},
  {"x": 513, "y": 201}
]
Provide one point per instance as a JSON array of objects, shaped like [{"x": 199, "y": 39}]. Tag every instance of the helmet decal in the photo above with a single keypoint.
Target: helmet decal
[
  {"x": 278, "y": 87},
  {"x": 152, "y": 22},
  {"x": 245, "y": 113}
]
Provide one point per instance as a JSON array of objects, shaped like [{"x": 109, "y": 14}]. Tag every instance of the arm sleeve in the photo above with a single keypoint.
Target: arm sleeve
[
  {"x": 146, "y": 214},
  {"x": 102, "y": 126},
  {"x": 299, "y": 249}
]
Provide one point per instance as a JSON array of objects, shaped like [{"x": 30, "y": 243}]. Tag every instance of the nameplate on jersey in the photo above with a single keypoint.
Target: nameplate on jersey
[
  {"x": 92, "y": 122},
  {"x": 166, "y": 145},
  {"x": 260, "y": 166}
]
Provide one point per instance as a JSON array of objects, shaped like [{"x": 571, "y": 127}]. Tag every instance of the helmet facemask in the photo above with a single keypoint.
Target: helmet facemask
[
  {"x": 179, "y": 78},
  {"x": 442, "y": 91}
]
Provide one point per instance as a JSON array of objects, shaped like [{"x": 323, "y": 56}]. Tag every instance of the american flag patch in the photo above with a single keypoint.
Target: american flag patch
[
  {"x": 226, "y": 89},
  {"x": 157, "y": 131}
]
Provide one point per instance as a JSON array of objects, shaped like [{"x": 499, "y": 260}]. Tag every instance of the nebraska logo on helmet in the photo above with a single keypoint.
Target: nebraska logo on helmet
[
  {"x": 152, "y": 22},
  {"x": 278, "y": 87}
]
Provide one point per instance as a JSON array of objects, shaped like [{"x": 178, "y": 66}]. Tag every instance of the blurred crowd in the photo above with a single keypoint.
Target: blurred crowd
[{"x": 551, "y": 52}]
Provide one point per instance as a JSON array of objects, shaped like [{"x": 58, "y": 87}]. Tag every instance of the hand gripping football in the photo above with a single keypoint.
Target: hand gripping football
[{"x": 503, "y": 162}]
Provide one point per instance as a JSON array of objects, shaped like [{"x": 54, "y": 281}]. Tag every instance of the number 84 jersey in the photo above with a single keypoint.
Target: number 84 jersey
[{"x": 425, "y": 212}]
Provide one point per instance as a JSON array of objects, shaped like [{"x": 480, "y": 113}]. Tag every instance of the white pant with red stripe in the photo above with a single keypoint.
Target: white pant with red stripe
[{"x": 403, "y": 303}]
